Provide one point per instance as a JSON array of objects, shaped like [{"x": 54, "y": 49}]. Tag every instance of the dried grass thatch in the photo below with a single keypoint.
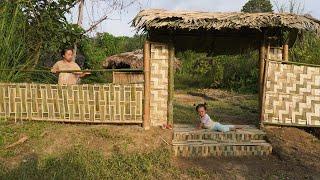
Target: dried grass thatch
[
  {"x": 152, "y": 19},
  {"x": 133, "y": 60}
]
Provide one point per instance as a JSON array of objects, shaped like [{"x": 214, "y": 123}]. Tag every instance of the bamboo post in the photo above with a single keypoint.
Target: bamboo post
[
  {"x": 170, "y": 84},
  {"x": 265, "y": 71},
  {"x": 146, "y": 63},
  {"x": 285, "y": 52},
  {"x": 262, "y": 55}
]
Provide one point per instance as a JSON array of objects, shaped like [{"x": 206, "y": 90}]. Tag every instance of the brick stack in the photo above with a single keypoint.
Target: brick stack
[{"x": 249, "y": 141}]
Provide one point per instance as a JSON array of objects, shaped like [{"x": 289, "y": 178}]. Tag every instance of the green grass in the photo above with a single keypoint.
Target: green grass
[
  {"x": 184, "y": 114},
  {"x": 81, "y": 163},
  {"x": 80, "y": 160},
  {"x": 11, "y": 132},
  {"x": 245, "y": 109}
]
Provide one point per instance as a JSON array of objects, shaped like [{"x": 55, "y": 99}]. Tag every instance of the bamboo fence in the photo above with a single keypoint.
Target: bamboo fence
[
  {"x": 99, "y": 103},
  {"x": 292, "y": 94}
]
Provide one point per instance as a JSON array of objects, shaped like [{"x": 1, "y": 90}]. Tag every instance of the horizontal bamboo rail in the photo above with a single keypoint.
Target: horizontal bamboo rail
[
  {"x": 71, "y": 71},
  {"x": 293, "y": 63}
]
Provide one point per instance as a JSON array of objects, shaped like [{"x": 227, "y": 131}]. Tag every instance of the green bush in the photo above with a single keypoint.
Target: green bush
[
  {"x": 97, "y": 49},
  {"x": 238, "y": 72},
  {"x": 306, "y": 49},
  {"x": 28, "y": 31}
]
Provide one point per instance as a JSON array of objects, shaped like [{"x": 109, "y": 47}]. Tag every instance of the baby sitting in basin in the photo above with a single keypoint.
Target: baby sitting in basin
[{"x": 205, "y": 121}]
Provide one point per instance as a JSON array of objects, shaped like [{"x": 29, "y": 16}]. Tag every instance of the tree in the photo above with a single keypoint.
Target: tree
[
  {"x": 293, "y": 6},
  {"x": 48, "y": 29},
  {"x": 256, "y": 6}
]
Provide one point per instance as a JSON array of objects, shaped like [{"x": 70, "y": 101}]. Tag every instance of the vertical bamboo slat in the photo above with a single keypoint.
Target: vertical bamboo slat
[
  {"x": 146, "y": 63},
  {"x": 285, "y": 52}
]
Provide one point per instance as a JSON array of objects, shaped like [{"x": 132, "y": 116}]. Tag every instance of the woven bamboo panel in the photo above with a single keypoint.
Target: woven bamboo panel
[
  {"x": 107, "y": 103},
  {"x": 275, "y": 53},
  {"x": 292, "y": 95},
  {"x": 127, "y": 77},
  {"x": 241, "y": 135},
  {"x": 159, "y": 63},
  {"x": 249, "y": 141},
  {"x": 198, "y": 149}
]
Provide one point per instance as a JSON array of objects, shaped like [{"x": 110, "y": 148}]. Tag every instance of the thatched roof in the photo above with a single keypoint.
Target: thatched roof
[
  {"x": 132, "y": 60},
  {"x": 152, "y": 19}
]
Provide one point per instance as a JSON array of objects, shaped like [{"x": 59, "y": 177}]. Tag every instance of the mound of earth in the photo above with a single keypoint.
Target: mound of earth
[{"x": 295, "y": 145}]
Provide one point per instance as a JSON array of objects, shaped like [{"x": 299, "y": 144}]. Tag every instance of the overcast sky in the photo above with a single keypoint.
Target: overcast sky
[{"x": 119, "y": 23}]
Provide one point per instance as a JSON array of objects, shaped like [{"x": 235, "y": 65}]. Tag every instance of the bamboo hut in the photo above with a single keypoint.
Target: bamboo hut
[
  {"x": 228, "y": 33},
  {"x": 128, "y": 60},
  {"x": 222, "y": 33}
]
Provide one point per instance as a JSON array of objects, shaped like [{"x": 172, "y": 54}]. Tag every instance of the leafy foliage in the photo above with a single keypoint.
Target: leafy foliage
[
  {"x": 13, "y": 44},
  {"x": 30, "y": 30},
  {"x": 54, "y": 32},
  {"x": 256, "y": 6},
  {"x": 97, "y": 49},
  {"x": 306, "y": 50},
  {"x": 238, "y": 72}
]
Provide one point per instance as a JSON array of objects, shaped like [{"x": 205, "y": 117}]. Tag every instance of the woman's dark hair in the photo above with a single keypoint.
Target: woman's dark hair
[
  {"x": 63, "y": 51},
  {"x": 204, "y": 105}
]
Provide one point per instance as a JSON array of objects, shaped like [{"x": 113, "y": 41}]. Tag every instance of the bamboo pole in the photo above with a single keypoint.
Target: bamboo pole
[
  {"x": 262, "y": 55},
  {"x": 265, "y": 71},
  {"x": 295, "y": 63},
  {"x": 170, "y": 84},
  {"x": 147, "y": 93},
  {"x": 72, "y": 71},
  {"x": 285, "y": 52}
]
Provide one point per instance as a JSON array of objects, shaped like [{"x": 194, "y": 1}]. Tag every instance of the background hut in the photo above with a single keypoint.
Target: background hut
[{"x": 128, "y": 60}]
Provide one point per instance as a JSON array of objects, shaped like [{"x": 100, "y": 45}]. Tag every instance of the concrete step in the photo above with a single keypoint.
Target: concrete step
[{"x": 249, "y": 141}]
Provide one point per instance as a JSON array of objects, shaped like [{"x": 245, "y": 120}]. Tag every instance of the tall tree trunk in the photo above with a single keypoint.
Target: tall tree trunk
[{"x": 80, "y": 19}]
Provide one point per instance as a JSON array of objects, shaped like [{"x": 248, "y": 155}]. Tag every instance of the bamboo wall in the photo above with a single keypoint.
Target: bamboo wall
[
  {"x": 292, "y": 95},
  {"x": 159, "y": 64},
  {"x": 105, "y": 103},
  {"x": 127, "y": 77}
]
